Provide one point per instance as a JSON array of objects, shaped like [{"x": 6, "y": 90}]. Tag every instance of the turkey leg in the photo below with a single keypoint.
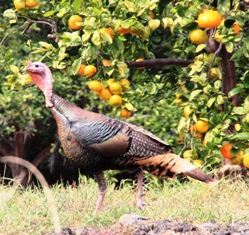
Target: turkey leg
[
  {"x": 99, "y": 177},
  {"x": 140, "y": 202}
]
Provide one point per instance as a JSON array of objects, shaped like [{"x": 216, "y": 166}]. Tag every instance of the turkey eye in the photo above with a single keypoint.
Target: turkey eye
[{"x": 37, "y": 66}]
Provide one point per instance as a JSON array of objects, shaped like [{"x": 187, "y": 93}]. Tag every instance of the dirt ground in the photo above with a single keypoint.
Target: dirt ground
[{"x": 133, "y": 224}]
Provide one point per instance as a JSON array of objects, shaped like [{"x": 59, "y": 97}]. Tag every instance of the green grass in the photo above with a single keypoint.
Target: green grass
[{"x": 27, "y": 211}]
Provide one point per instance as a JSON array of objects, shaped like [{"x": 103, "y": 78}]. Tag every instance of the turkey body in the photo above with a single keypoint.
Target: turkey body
[{"x": 94, "y": 142}]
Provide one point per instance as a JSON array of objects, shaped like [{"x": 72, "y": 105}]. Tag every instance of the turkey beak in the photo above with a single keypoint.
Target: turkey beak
[{"x": 28, "y": 68}]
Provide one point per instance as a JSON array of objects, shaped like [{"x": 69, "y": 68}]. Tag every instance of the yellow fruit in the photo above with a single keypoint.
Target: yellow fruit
[
  {"x": 105, "y": 94},
  {"x": 125, "y": 83},
  {"x": 187, "y": 155},
  {"x": 81, "y": 69},
  {"x": 198, "y": 163},
  {"x": 237, "y": 127},
  {"x": 198, "y": 36},
  {"x": 115, "y": 88},
  {"x": 95, "y": 85},
  {"x": 202, "y": 126},
  {"x": 90, "y": 70},
  {"x": 73, "y": 22},
  {"x": 20, "y": 5},
  {"x": 110, "y": 81},
  {"x": 209, "y": 19},
  {"x": 125, "y": 113},
  {"x": 177, "y": 101},
  {"x": 108, "y": 31},
  {"x": 32, "y": 3},
  {"x": 115, "y": 100},
  {"x": 187, "y": 111},
  {"x": 246, "y": 160}
]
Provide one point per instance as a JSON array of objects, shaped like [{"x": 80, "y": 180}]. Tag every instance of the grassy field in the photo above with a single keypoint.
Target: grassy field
[{"x": 27, "y": 211}]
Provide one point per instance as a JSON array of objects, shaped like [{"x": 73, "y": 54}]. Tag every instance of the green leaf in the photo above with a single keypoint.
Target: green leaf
[
  {"x": 229, "y": 47},
  {"x": 146, "y": 34},
  {"x": 246, "y": 104},
  {"x": 122, "y": 65},
  {"x": 49, "y": 13},
  {"x": 194, "y": 94},
  {"x": 238, "y": 110},
  {"x": 76, "y": 65},
  {"x": 129, "y": 106},
  {"x": 151, "y": 88},
  {"x": 46, "y": 45},
  {"x": 211, "y": 101},
  {"x": 154, "y": 24},
  {"x": 9, "y": 14},
  {"x": 241, "y": 136},
  {"x": 220, "y": 99},
  {"x": 130, "y": 6},
  {"x": 200, "y": 47},
  {"x": 96, "y": 38},
  {"x": 76, "y": 5},
  {"x": 14, "y": 69},
  {"x": 235, "y": 91}
]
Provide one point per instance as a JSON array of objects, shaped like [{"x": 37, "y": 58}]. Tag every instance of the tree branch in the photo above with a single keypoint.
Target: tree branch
[{"x": 160, "y": 62}]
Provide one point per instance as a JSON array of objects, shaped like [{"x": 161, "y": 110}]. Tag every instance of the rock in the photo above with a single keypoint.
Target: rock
[{"x": 132, "y": 224}]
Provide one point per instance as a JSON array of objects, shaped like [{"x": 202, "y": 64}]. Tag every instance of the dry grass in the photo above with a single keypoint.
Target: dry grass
[{"x": 28, "y": 212}]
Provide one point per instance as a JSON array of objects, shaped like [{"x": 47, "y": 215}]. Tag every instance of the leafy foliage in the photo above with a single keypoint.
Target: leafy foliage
[{"x": 157, "y": 94}]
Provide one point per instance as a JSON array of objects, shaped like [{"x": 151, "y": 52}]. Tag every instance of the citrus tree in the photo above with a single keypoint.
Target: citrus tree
[{"x": 178, "y": 68}]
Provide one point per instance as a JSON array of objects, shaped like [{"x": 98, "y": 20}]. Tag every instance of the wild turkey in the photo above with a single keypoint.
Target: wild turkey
[{"x": 95, "y": 143}]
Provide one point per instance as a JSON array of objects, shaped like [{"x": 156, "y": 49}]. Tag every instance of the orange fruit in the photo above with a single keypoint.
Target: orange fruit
[
  {"x": 95, "y": 85},
  {"x": 90, "y": 70},
  {"x": 32, "y": 3},
  {"x": 236, "y": 28},
  {"x": 20, "y": 5},
  {"x": 122, "y": 30},
  {"x": 226, "y": 151},
  {"x": 115, "y": 88},
  {"x": 198, "y": 36},
  {"x": 209, "y": 19},
  {"x": 202, "y": 126},
  {"x": 187, "y": 111},
  {"x": 105, "y": 94},
  {"x": 193, "y": 132},
  {"x": 108, "y": 31},
  {"x": 246, "y": 160},
  {"x": 81, "y": 69},
  {"x": 138, "y": 60},
  {"x": 125, "y": 83},
  {"x": 115, "y": 100},
  {"x": 73, "y": 22},
  {"x": 125, "y": 113},
  {"x": 152, "y": 14}
]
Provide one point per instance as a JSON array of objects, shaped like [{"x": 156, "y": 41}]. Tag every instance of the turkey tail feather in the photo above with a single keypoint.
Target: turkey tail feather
[{"x": 168, "y": 165}]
